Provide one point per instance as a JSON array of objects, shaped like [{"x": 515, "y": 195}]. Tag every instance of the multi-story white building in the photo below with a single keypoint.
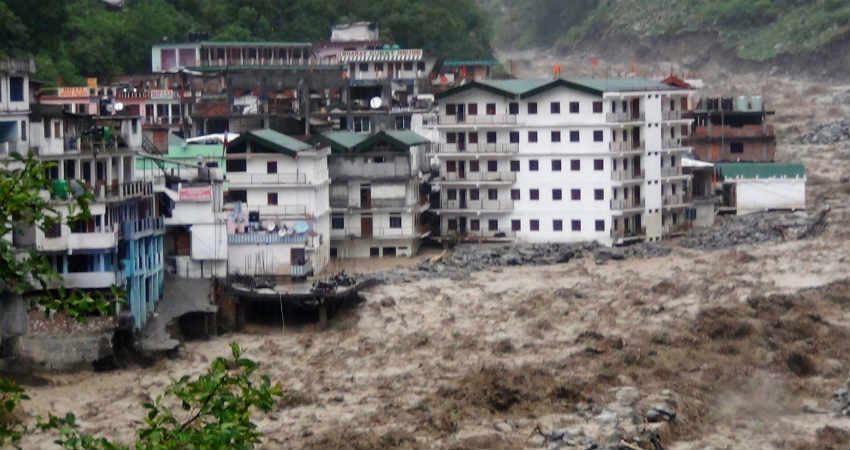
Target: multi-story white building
[
  {"x": 376, "y": 193},
  {"x": 278, "y": 201},
  {"x": 15, "y": 105},
  {"x": 562, "y": 160}
]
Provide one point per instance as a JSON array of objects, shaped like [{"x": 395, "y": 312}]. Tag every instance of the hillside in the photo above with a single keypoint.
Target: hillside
[{"x": 801, "y": 34}]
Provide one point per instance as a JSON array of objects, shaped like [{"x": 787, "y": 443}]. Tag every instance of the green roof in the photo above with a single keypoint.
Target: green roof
[
  {"x": 624, "y": 84},
  {"x": 179, "y": 150},
  {"x": 234, "y": 43},
  {"x": 341, "y": 140},
  {"x": 530, "y": 87},
  {"x": 173, "y": 139},
  {"x": 270, "y": 140},
  {"x": 515, "y": 87},
  {"x": 407, "y": 137},
  {"x": 347, "y": 141},
  {"x": 760, "y": 170},
  {"x": 470, "y": 62}
]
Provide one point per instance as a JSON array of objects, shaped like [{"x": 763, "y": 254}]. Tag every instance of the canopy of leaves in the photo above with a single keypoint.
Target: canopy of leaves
[{"x": 76, "y": 38}]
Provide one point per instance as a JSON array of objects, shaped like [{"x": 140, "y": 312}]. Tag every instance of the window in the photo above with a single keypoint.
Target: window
[
  {"x": 597, "y": 136},
  {"x": 532, "y": 107},
  {"x": 408, "y": 66},
  {"x": 576, "y": 224},
  {"x": 556, "y": 194},
  {"x": 598, "y": 194},
  {"x": 272, "y": 198},
  {"x": 534, "y": 225},
  {"x": 597, "y": 107},
  {"x": 472, "y": 109},
  {"x": 451, "y": 194},
  {"x": 514, "y": 166},
  {"x": 472, "y": 138},
  {"x": 232, "y": 195},
  {"x": 574, "y": 136},
  {"x": 402, "y": 122},
  {"x": 600, "y": 225},
  {"x": 673, "y": 161},
  {"x": 57, "y": 129},
  {"x": 491, "y": 137},
  {"x": 46, "y": 129},
  {"x": 474, "y": 225},
  {"x": 515, "y": 194},
  {"x": 271, "y": 167},
  {"x": 736, "y": 147},
  {"x": 556, "y": 165},
  {"x": 575, "y": 165},
  {"x": 532, "y": 165},
  {"x": 575, "y": 194},
  {"x": 474, "y": 194},
  {"x": 514, "y": 137},
  {"x": 613, "y": 106},
  {"x": 473, "y": 165},
  {"x": 555, "y": 107},
  {"x": 492, "y": 194},
  {"x": 491, "y": 109},
  {"x": 395, "y": 221},
  {"x": 493, "y": 224},
  {"x": 24, "y": 129},
  {"x": 379, "y": 67},
  {"x": 135, "y": 125},
  {"x": 516, "y": 225},
  {"x": 557, "y": 225},
  {"x": 334, "y": 252},
  {"x": 451, "y": 166},
  {"x": 451, "y": 109},
  {"x": 451, "y": 138},
  {"x": 556, "y": 136},
  {"x": 513, "y": 108},
  {"x": 364, "y": 67},
  {"x": 236, "y": 165},
  {"x": 492, "y": 165},
  {"x": 16, "y": 89},
  {"x": 452, "y": 224},
  {"x": 598, "y": 164},
  {"x": 532, "y": 136},
  {"x": 420, "y": 66},
  {"x": 362, "y": 124},
  {"x": 573, "y": 107},
  {"x": 673, "y": 188},
  {"x": 534, "y": 194},
  {"x": 338, "y": 222}
]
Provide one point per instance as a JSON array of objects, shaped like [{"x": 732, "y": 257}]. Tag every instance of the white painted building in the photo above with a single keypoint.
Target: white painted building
[
  {"x": 279, "y": 216},
  {"x": 376, "y": 193},
  {"x": 15, "y": 105},
  {"x": 752, "y": 187},
  {"x": 562, "y": 160}
]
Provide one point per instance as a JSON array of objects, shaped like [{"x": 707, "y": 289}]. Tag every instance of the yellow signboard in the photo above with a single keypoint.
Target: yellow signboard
[
  {"x": 91, "y": 83},
  {"x": 73, "y": 91}
]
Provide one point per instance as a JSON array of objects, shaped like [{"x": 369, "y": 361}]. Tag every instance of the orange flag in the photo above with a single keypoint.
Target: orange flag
[
  {"x": 557, "y": 69},
  {"x": 633, "y": 67},
  {"x": 593, "y": 62}
]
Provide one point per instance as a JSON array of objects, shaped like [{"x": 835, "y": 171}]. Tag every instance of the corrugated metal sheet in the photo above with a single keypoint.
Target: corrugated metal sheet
[
  {"x": 760, "y": 170},
  {"x": 399, "y": 55}
]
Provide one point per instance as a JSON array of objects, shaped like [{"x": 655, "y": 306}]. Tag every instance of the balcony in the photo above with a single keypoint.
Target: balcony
[
  {"x": 481, "y": 176},
  {"x": 379, "y": 233},
  {"x": 243, "y": 179},
  {"x": 625, "y": 235},
  {"x": 301, "y": 270},
  {"x": 668, "y": 144},
  {"x": 280, "y": 210},
  {"x": 482, "y": 234},
  {"x": 480, "y": 205},
  {"x": 671, "y": 200},
  {"x": 671, "y": 171},
  {"x": 627, "y": 175},
  {"x": 624, "y": 146},
  {"x": 676, "y": 229},
  {"x": 88, "y": 280},
  {"x": 263, "y": 238},
  {"x": 475, "y": 148},
  {"x": 671, "y": 115},
  {"x": 146, "y": 226},
  {"x": 101, "y": 238},
  {"x": 10, "y": 147},
  {"x": 623, "y": 117},
  {"x": 115, "y": 191},
  {"x": 89, "y": 144},
  {"x": 478, "y": 119},
  {"x": 622, "y": 204}
]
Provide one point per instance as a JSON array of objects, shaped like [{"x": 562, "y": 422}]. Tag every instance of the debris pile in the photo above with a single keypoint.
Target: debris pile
[
  {"x": 841, "y": 400},
  {"x": 826, "y": 133},
  {"x": 756, "y": 228}
]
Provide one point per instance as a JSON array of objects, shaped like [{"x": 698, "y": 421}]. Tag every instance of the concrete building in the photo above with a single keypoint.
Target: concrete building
[
  {"x": 277, "y": 200},
  {"x": 562, "y": 160},
  {"x": 15, "y": 104},
  {"x": 752, "y": 187},
  {"x": 175, "y": 57},
  {"x": 732, "y": 129},
  {"x": 377, "y": 196},
  {"x": 704, "y": 198}
]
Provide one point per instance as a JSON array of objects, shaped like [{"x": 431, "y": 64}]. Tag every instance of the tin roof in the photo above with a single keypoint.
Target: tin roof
[
  {"x": 270, "y": 140},
  {"x": 347, "y": 141},
  {"x": 381, "y": 55},
  {"x": 470, "y": 62},
  {"x": 760, "y": 170},
  {"x": 525, "y": 88}
]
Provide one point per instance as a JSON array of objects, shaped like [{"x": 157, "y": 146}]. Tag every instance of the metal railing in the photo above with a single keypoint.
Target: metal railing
[
  {"x": 266, "y": 178},
  {"x": 301, "y": 270},
  {"x": 481, "y": 234},
  {"x": 481, "y": 176},
  {"x": 279, "y": 210},
  {"x": 477, "y": 205},
  {"x": 266, "y": 238},
  {"x": 626, "y": 234},
  {"x": 626, "y": 175},
  {"x": 478, "y": 119},
  {"x": 475, "y": 148},
  {"x": 624, "y": 116},
  {"x": 671, "y": 171},
  {"x": 677, "y": 228},
  {"x": 677, "y": 199},
  {"x": 671, "y": 143},
  {"x": 626, "y": 203},
  {"x": 133, "y": 228},
  {"x": 376, "y": 232},
  {"x": 130, "y": 189},
  {"x": 671, "y": 115}
]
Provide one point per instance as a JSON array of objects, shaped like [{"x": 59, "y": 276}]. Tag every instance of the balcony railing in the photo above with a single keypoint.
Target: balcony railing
[
  {"x": 262, "y": 238},
  {"x": 137, "y": 228},
  {"x": 625, "y": 116},
  {"x": 679, "y": 228},
  {"x": 497, "y": 176},
  {"x": 626, "y": 175},
  {"x": 626, "y": 203},
  {"x": 675, "y": 200},
  {"x": 481, "y": 234},
  {"x": 628, "y": 234},
  {"x": 9, "y": 147},
  {"x": 301, "y": 270},
  {"x": 279, "y": 210},
  {"x": 266, "y": 178},
  {"x": 671, "y": 115},
  {"x": 478, "y": 205},
  {"x": 100, "y": 238},
  {"x": 115, "y": 191},
  {"x": 672, "y": 143},
  {"x": 377, "y": 232},
  {"x": 475, "y": 148},
  {"x": 671, "y": 171},
  {"x": 88, "y": 144},
  {"x": 479, "y": 119}
]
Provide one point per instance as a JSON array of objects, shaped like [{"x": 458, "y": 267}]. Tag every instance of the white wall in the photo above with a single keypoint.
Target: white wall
[
  {"x": 772, "y": 193},
  {"x": 209, "y": 241}
]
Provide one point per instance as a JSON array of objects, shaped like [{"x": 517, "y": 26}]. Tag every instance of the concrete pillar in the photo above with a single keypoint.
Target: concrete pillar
[{"x": 120, "y": 170}]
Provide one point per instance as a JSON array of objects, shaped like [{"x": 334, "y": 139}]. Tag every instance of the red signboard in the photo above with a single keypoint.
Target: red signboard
[{"x": 200, "y": 193}]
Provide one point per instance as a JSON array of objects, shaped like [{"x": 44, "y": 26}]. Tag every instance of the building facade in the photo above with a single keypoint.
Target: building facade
[
  {"x": 561, "y": 160},
  {"x": 732, "y": 129},
  {"x": 15, "y": 105},
  {"x": 377, "y": 196}
]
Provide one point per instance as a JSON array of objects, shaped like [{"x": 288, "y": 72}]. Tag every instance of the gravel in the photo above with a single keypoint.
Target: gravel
[
  {"x": 756, "y": 228},
  {"x": 826, "y": 133}
]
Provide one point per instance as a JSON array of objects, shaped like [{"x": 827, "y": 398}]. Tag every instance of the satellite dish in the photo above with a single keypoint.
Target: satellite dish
[
  {"x": 270, "y": 226},
  {"x": 110, "y": 107},
  {"x": 119, "y": 107},
  {"x": 375, "y": 103}
]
